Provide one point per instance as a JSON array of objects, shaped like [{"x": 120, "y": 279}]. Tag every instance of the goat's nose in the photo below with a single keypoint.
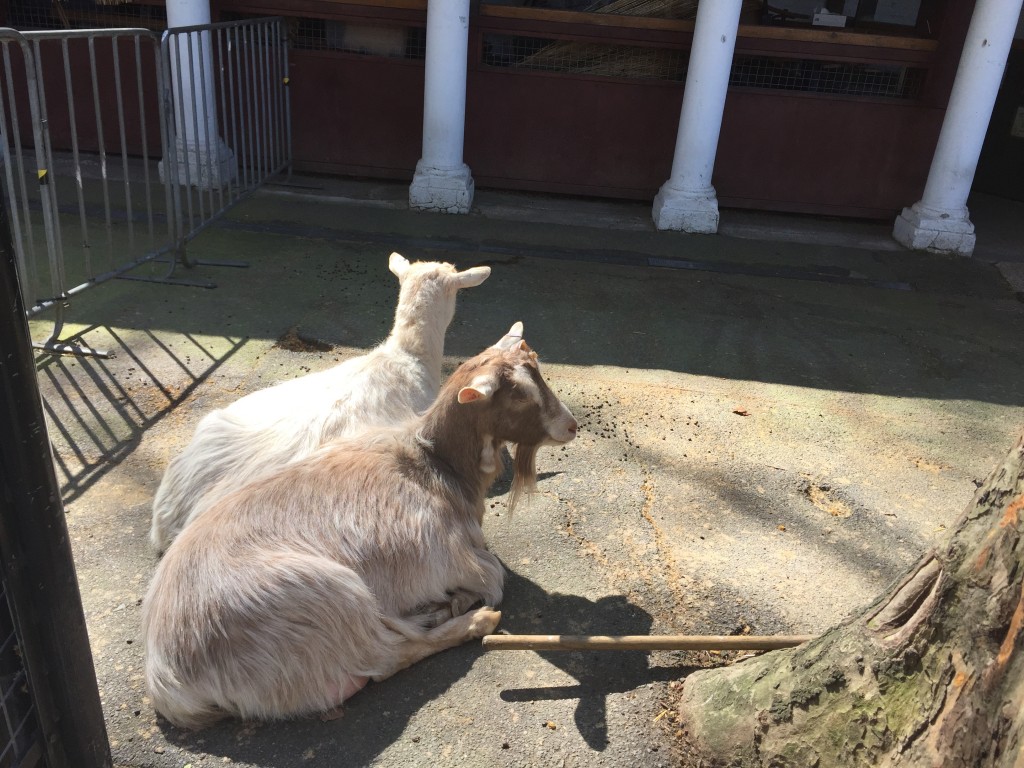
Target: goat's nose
[{"x": 573, "y": 426}]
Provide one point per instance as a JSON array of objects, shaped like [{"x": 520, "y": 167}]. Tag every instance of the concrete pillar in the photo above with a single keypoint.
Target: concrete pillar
[
  {"x": 203, "y": 159},
  {"x": 687, "y": 200},
  {"x": 939, "y": 221},
  {"x": 442, "y": 181}
]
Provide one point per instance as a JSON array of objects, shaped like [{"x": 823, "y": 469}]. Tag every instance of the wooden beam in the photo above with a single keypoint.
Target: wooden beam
[
  {"x": 746, "y": 31},
  {"x": 642, "y": 642},
  {"x": 488, "y": 10}
]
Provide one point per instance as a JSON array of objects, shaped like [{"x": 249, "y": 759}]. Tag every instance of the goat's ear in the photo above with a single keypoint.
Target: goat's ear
[
  {"x": 472, "y": 276},
  {"x": 398, "y": 264},
  {"x": 481, "y": 388},
  {"x": 515, "y": 333},
  {"x": 522, "y": 346}
]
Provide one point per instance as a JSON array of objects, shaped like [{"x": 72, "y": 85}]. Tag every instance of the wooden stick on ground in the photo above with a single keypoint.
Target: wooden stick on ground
[{"x": 642, "y": 642}]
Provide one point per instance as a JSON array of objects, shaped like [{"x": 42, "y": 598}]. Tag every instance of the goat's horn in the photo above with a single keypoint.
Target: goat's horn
[{"x": 515, "y": 334}]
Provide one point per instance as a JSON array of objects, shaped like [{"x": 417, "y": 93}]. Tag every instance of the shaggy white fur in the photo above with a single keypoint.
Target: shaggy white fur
[{"x": 269, "y": 428}]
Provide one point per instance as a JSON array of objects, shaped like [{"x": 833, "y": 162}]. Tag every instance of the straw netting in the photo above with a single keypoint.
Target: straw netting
[{"x": 632, "y": 61}]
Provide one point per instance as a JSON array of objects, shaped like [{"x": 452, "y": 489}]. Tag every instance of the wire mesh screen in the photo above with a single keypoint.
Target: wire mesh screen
[
  {"x": 30, "y": 15},
  {"x": 661, "y": 9},
  {"x": 395, "y": 42},
  {"x": 648, "y": 62},
  {"x": 657, "y": 9},
  {"x": 576, "y": 57},
  {"x": 20, "y": 737},
  {"x": 811, "y": 75}
]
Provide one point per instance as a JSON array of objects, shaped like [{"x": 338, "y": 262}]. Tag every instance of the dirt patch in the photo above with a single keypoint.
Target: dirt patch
[
  {"x": 824, "y": 498},
  {"x": 929, "y": 466},
  {"x": 293, "y": 341}
]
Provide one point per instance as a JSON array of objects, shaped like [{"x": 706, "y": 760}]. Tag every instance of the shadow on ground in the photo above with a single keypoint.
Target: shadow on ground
[
  {"x": 598, "y": 674},
  {"x": 97, "y": 412},
  {"x": 381, "y": 713},
  {"x": 332, "y": 284}
]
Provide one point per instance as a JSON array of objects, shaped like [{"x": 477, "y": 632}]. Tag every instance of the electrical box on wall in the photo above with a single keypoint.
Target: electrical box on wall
[
  {"x": 825, "y": 18},
  {"x": 1017, "y": 130},
  {"x": 902, "y": 12},
  {"x": 845, "y": 13}
]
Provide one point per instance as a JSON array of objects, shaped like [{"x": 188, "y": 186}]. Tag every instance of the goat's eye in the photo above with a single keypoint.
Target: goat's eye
[{"x": 518, "y": 393}]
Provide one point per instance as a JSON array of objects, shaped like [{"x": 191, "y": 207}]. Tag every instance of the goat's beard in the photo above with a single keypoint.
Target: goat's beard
[{"x": 524, "y": 475}]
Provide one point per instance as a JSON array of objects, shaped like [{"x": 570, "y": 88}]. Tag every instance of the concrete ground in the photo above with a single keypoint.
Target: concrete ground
[{"x": 775, "y": 422}]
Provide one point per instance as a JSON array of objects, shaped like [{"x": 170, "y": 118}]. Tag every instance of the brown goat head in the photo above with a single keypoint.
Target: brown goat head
[{"x": 517, "y": 406}]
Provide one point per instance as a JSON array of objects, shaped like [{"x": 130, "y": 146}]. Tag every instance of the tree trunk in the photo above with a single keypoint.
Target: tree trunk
[{"x": 931, "y": 674}]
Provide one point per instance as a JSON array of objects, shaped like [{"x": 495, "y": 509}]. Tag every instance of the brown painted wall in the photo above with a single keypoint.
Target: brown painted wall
[
  {"x": 559, "y": 133},
  {"x": 778, "y": 150},
  {"x": 85, "y": 98},
  {"x": 1001, "y": 166},
  {"x": 356, "y": 115},
  {"x": 813, "y": 154},
  {"x": 614, "y": 137}
]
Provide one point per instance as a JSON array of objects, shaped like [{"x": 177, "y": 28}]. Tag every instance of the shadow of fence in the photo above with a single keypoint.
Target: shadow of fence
[{"x": 97, "y": 410}]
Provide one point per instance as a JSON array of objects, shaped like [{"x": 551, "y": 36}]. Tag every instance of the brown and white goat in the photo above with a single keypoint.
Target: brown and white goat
[{"x": 287, "y": 596}]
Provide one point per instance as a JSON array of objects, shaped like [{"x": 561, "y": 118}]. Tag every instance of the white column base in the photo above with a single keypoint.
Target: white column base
[
  {"x": 442, "y": 190},
  {"x": 203, "y": 166},
  {"x": 686, "y": 211},
  {"x": 929, "y": 229}
]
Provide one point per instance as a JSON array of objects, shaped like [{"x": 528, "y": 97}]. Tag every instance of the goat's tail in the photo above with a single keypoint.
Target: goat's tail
[
  {"x": 183, "y": 706},
  {"x": 295, "y": 634}
]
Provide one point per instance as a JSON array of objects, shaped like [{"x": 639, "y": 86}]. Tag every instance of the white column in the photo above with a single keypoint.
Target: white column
[
  {"x": 687, "y": 200},
  {"x": 939, "y": 221},
  {"x": 203, "y": 159},
  {"x": 442, "y": 181}
]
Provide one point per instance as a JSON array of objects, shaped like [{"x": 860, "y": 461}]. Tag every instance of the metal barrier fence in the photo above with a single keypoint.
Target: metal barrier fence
[
  {"x": 81, "y": 192},
  {"x": 120, "y": 146},
  {"x": 229, "y": 100}
]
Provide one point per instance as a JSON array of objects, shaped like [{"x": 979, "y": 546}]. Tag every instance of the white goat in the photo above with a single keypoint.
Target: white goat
[
  {"x": 266, "y": 429},
  {"x": 287, "y": 596}
]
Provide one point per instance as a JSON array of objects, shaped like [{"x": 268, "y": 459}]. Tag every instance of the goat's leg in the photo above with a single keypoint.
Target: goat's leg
[
  {"x": 480, "y": 583},
  {"x": 463, "y": 600},
  {"x": 416, "y": 645},
  {"x": 430, "y": 615},
  {"x": 483, "y": 584},
  {"x": 493, "y": 575}
]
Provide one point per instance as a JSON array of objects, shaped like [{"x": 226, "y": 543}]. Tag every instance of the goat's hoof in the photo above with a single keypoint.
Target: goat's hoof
[
  {"x": 484, "y": 622},
  {"x": 335, "y": 713}
]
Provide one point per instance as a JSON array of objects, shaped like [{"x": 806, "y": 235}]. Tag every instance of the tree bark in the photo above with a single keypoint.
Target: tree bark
[{"x": 930, "y": 674}]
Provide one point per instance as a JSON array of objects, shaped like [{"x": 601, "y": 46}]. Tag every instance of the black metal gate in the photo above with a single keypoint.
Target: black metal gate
[
  {"x": 19, "y": 727},
  {"x": 50, "y": 700}
]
